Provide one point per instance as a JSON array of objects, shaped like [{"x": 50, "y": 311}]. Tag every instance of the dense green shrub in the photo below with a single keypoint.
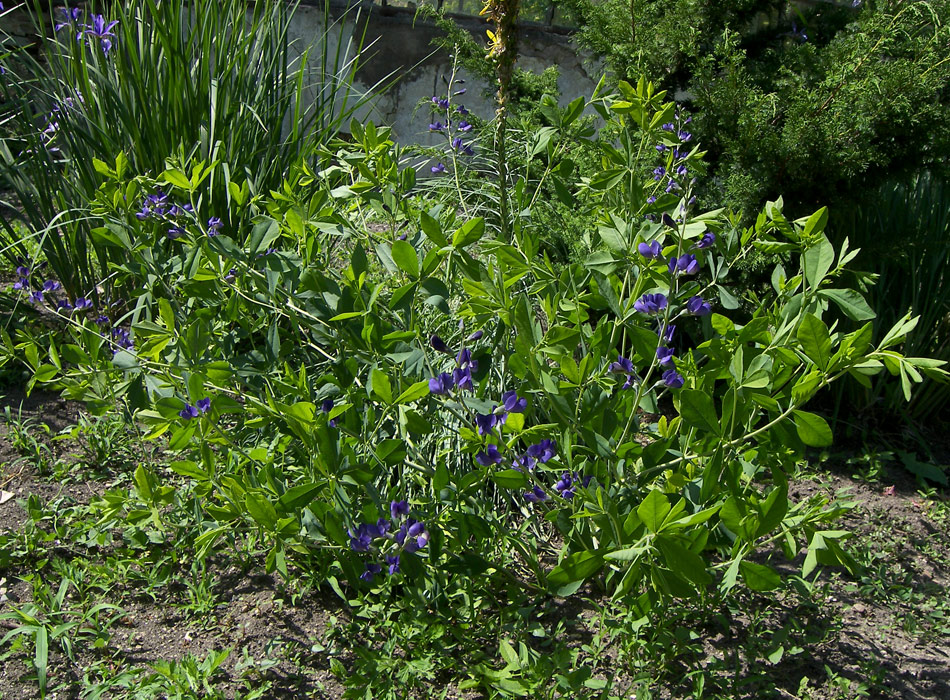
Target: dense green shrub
[
  {"x": 425, "y": 410},
  {"x": 817, "y": 102}
]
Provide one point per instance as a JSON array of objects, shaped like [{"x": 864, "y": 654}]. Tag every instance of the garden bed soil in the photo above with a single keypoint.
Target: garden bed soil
[{"x": 886, "y": 635}]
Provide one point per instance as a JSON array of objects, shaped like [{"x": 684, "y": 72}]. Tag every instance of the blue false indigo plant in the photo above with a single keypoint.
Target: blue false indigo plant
[{"x": 625, "y": 408}]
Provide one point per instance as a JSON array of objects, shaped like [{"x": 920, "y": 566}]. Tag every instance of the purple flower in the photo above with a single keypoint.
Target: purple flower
[
  {"x": 708, "y": 239},
  {"x": 439, "y": 345},
  {"x": 461, "y": 109},
  {"x": 464, "y": 359},
  {"x": 463, "y": 379},
  {"x": 441, "y": 384},
  {"x": 512, "y": 404},
  {"x": 486, "y": 423},
  {"x": 440, "y": 102},
  {"x": 23, "y": 271},
  {"x": 436, "y": 169},
  {"x": 669, "y": 126},
  {"x": 621, "y": 366},
  {"x": 83, "y": 303},
  {"x": 327, "y": 405},
  {"x": 697, "y": 307},
  {"x": 673, "y": 379},
  {"x": 51, "y": 286},
  {"x": 63, "y": 305},
  {"x": 650, "y": 304},
  {"x": 651, "y": 251},
  {"x": 37, "y": 297},
  {"x": 362, "y": 539},
  {"x": 658, "y": 173},
  {"x": 371, "y": 570},
  {"x": 398, "y": 509},
  {"x": 144, "y": 213},
  {"x": 536, "y": 495},
  {"x": 214, "y": 226},
  {"x": 651, "y": 199},
  {"x": 660, "y": 147},
  {"x": 189, "y": 412},
  {"x": 176, "y": 232},
  {"x": 393, "y": 561},
  {"x": 100, "y": 29},
  {"x": 667, "y": 333},
  {"x": 412, "y": 536},
  {"x": 123, "y": 341},
  {"x": 683, "y": 265},
  {"x": 684, "y": 136},
  {"x": 477, "y": 335},
  {"x": 464, "y": 126},
  {"x": 542, "y": 451},
  {"x": 526, "y": 462},
  {"x": 70, "y": 16},
  {"x": 461, "y": 147},
  {"x": 489, "y": 456},
  {"x": 203, "y": 405},
  {"x": 21, "y": 284},
  {"x": 682, "y": 170},
  {"x": 664, "y": 355},
  {"x": 437, "y": 126},
  {"x": 459, "y": 92}
]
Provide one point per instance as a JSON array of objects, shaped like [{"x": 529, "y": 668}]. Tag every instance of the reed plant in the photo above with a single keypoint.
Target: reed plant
[{"x": 212, "y": 80}]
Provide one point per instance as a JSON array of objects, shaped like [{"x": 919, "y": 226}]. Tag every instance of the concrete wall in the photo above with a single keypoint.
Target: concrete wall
[{"x": 397, "y": 45}]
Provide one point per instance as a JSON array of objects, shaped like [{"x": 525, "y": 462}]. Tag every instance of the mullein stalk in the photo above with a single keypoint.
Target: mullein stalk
[{"x": 503, "y": 51}]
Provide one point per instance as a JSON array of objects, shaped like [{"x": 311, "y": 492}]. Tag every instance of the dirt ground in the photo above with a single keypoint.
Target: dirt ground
[{"x": 883, "y": 634}]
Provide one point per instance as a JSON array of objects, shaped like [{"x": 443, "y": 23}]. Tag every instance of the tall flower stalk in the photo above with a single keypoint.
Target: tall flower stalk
[{"x": 502, "y": 51}]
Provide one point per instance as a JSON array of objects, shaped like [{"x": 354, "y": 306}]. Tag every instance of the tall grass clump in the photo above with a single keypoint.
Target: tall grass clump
[
  {"x": 904, "y": 232},
  {"x": 214, "y": 80}
]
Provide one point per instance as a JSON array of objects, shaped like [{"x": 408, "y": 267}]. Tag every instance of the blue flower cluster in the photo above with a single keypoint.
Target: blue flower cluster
[
  {"x": 159, "y": 207},
  {"x": 410, "y": 536},
  {"x": 444, "y": 122},
  {"x": 460, "y": 378},
  {"x": 46, "y": 292},
  {"x": 486, "y": 424}
]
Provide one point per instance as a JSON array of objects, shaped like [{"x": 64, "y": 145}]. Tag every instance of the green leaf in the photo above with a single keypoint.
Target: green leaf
[
  {"x": 818, "y": 260},
  {"x": 698, "y": 410},
  {"x": 851, "y": 303},
  {"x": 405, "y": 256},
  {"x": 178, "y": 179},
  {"x": 381, "y": 386},
  {"x": 510, "y": 479},
  {"x": 414, "y": 392},
  {"x": 41, "y": 657},
  {"x": 812, "y": 429},
  {"x": 653, "y": 510},
  {"x": 682, "y": 561},
  {"x": 816, "y": 222},
  {"x": 815, "y": 339},
  {"x": 298, "y": 497},
  {"x": 261, "y": 509},
  {"x": 930, "y": 472},
  {"x": 576, "y": 567},
  {"x": 758, "y": 577},
  {"x": 432, "y": 230},
  {"x": 509, "y": 654},
  {"x": 468, "y": 233}
]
